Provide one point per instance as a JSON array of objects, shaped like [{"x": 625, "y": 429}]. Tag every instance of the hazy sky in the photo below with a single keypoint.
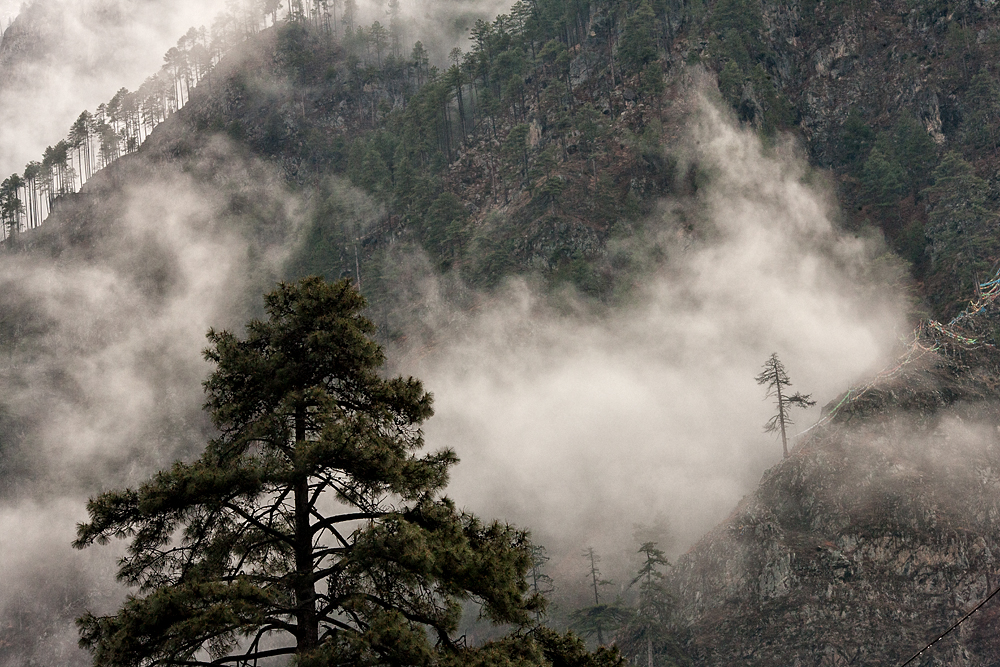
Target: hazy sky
[{"x": 8, "y": 10}]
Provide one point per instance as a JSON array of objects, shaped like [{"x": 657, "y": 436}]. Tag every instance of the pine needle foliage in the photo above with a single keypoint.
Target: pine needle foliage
[
  {"x": 311, "y": 526},
  {"x": 649, "y": 637}
]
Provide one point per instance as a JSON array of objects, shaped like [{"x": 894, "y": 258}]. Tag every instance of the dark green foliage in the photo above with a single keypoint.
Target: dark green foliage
[
  {"x": 883, "y": 180},
  {"x": 748, "y": 87},
  {"x": 982, "y": 124},
  {"x": 648, "y": 636},
  {"x": 856, "y": 139},
  {"x": 331, "y": 242},
  {"x": 310, "y": 520},
  {"x": 515, "y": 149},
  {"x": 599, "y": 620},
  {"x": 443, "y": 229},
  {"x": 582, "y": 274},
  {"x": 651, "y": 81},
  {"x": 738, "y": 27},
  {"x": 731, "y": 82},
  {"x": 494, "y": 252},
  {"x": 293, "y": 50},
  {"x": 961, "y": 231},
  {"x": 914, "y": 150},
  {"x": 899, "y": 163},
  {"x": 637, "y": 46},
  {"x": 911, "y": 244},
  {"x": 540, "y": 647}
]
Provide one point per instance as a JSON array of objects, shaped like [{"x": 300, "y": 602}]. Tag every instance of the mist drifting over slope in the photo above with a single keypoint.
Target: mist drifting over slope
[
  {"x": 64, "y": 56},
  {"x": 575, "y": 423},
  {"x": 583, "y": 426},
  {"x": 100, "y": 350}
]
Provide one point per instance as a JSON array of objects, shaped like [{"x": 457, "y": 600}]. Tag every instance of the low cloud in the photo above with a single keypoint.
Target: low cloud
[
  {"x": 100, "y": 349},
  {"x": 583, "y": 425}
]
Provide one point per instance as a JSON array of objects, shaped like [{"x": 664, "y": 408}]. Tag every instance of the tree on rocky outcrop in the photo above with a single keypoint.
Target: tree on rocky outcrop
[
  {"x": 311, "y": 526},
  {"x": 775, "y": 378}
]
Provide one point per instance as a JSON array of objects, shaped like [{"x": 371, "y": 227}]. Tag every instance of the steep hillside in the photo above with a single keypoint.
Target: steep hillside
[
  {"x": 59, "y": 57},
  {"x": 545, "y": 148},
  {"x": 879, "y": 532},
  {"x": 550, "y": 132},
  {"x": 882, "y": 93},
  {"x": 557, "y": 128}
]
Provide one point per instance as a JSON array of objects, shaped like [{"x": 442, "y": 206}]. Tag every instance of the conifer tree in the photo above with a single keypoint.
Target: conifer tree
[
  {"x": 647, "y": 636},
  {"x": 11, "y": 204},
  {"x": 541, "y": 583},
  {"x": 595, "y": 619},
  {"x": 311, "y": 526},
  {"x": 775, "y": 378},
  {"x": 960, "y": 230}
]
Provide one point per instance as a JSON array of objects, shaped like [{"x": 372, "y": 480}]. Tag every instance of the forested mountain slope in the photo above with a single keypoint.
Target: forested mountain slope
[
  {"x": 557, "y": 125},
  {"x": 59, "y": 57},
  {"x": 551, "y": 145}
]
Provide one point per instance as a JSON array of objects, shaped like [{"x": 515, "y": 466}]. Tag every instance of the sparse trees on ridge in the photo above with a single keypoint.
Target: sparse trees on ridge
[
  {"x": 11, "y": 203},
  {"x": 775, "y": 378}
]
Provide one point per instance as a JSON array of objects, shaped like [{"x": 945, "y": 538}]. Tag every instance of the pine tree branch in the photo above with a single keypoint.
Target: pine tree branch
[{"x": 263, "y": 527}]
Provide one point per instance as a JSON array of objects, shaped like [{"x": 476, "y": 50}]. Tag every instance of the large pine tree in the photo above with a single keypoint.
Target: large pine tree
[{"x": 311, "y": 526}]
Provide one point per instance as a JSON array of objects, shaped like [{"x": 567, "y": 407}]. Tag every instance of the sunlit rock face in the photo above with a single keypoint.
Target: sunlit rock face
[{"x": 879, "y": 532}]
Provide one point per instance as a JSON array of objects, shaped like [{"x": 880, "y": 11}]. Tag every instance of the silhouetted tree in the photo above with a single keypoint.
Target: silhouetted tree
[
  {"x": 648, "y": 632},
  {"x": 309, "y": 526},
  {"x": 595, "y": 619},
  {"x": 11, "y": 204},
  {"x": 775, "y": 378},
  {"x": 541, "y": 583}
]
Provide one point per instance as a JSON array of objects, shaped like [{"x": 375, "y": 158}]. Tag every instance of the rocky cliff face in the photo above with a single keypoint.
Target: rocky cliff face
[
  {"x": 880, "y": 531},
  {"x": 882, "y": 58}
]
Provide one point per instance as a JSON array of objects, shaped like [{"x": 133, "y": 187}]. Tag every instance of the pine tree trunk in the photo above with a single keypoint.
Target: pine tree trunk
[
  {"x": 781, "y": 420},
  {"x": 307, "y": 624}
]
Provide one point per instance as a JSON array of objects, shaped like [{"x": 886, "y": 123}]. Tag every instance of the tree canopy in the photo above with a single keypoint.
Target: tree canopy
[{"x": 311, "y": 526}]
